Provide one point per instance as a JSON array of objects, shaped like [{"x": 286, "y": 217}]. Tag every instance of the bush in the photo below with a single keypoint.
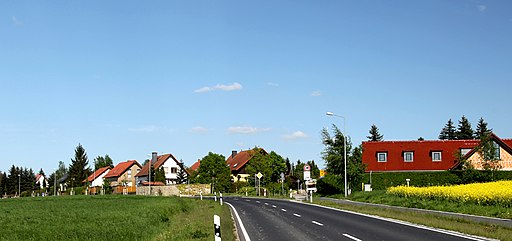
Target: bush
[{"x": 330, "y": 184}]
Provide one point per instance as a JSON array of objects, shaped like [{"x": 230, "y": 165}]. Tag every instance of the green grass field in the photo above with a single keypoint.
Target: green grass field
[{"x": 112, "y": 217}]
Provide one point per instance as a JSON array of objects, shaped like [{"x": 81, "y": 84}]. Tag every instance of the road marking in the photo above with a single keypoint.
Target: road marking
[
  {"x": 258, "y": 201},
  {"x": 317, "y": 223},
  {"x": 297, "y": 215},
  {"x": 242, "y": 227},
  {"x": 351, "y": 237},
  {"x": 247, "y": 200},
  {"x": 282, "y": 209},
  {"x": 274, "y": 206},
  {"x": 266, "y": 204}
]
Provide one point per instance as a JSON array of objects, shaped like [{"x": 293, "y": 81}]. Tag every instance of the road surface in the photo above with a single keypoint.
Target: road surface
[{"x": 283, "y": 220}]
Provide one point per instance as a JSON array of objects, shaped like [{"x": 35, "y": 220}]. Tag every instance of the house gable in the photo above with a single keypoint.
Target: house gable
[{"x": 505, "y": 151}]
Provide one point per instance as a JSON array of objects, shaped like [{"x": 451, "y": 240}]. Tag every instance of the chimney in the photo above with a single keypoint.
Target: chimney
[
  {"x": 233, "y": 154},
  {"x": 153, "y": 157}
]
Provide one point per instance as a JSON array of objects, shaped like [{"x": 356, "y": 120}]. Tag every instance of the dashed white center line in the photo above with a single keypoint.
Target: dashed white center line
[
  {"x": 247, "y": 200},
  {"x": 282, "y": 209},
  {"x": 351, "y": 237},
  {"x": 266, "y": 204},
  {"x": 297, "y": 215},
  {"x": 258, "y": 201},
  {"x": 317, "y": 223},
  {"x": 274, "y": 206}
]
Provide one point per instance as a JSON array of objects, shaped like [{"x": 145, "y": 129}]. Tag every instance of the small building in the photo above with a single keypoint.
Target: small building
[
  {"x": 170, "y": 165},
  {"x": 41, "y": 181},
  {"x": 96, "y": 179},
  {"x": 195, "y": 166},
  {"x": 428, "y": 155},
  {"x": 123, "y": 174},
  {"x": 238, "y": 161}
]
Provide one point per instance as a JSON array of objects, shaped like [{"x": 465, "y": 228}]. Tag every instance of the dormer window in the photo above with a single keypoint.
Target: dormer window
[
  {"x": 382, "y": 156},
  {"x": 437, "y": 156},
  {"x": 408, "y": 156}
]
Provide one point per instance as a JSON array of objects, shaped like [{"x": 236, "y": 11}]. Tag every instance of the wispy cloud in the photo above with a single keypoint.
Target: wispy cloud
[
  {"x": 481, "y": 8},
  {"x": 246, "y": 130},
  {"x": 295, "y": 136},
  {"x": 273, "y": 84},
  {"x": 232, "y": 87},
  {"x": 16, "y": 21},
  {"x": 316, "y": 93},
  {"x": 199, "y": 130}
]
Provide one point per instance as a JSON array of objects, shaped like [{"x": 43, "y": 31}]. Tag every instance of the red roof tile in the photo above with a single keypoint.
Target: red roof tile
[
  {"x": 97, "y": 173},
  {"x": 241, "y": 159},
  {"x": 118, "y": 170},
  {"x": 153, "y": 184},
  {"x": 195, "y": 166}
]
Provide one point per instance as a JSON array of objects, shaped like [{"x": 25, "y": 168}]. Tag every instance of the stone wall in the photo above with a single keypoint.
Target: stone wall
[{"x": 174, "y": 190}]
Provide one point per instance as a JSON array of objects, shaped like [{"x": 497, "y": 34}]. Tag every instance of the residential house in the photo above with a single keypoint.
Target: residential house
[
  {"x": 238, "y": 161},
  {"x": 123, "y": 174},
  {"x": 62, "y": 182},
  {"x": 428, "y": 155},
  {"x": 195, "y": 166},
  {"x": 96, "y": 179},
  {"x": 168, "y": 162},
  {"x": 41, "y": 181}
]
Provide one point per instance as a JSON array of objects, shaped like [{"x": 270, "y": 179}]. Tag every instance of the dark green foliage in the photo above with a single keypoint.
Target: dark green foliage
[
  {"x": 481, "y": 129},
  {"x": 383, "y": 180},
  {"x": 333, "y": 154},
  {"x": 489, "y": 151},
  {"x": 181, "y": 176},
  {"x": 100, "y": 162},
  {"x": 448, "y": 132},
  {"x": 19, "y": 179},
  {"x": 374, "y": 134},
  {"x": 213, "y": 170},
  {"x": 270, "y": 165},
  {"x": 464, "y": 130},
  {"x": 330, "y": 184},
  {"x": 160, "y": 175},
  {"x": 78, "y": 169}
]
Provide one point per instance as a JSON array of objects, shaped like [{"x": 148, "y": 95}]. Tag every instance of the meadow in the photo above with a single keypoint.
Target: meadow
[{"x": 112, "y": 217}]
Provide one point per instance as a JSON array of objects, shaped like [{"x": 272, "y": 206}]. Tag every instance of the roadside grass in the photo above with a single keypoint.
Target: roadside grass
[
  {"x": 381, "y": 197},
  {"x": 112, "y": 217},
  {"x": 431, "y": 220}
]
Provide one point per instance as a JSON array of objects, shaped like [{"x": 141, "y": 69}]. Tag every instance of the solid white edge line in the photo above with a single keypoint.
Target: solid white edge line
[
  {"x": 244, "y": 232},
  {"x": 317, "y": 223},
  {"x": 351, "y": 237},
  {"x": 449, "y": 232}
]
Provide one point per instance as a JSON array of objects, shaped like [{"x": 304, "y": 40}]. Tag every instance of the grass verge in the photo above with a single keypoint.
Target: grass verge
[{"x": 112, "y": 218}]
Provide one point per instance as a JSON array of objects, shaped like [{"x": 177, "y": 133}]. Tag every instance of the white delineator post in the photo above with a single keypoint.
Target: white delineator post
[
  {"x": 201, "y": 194},
  {"x": 216, "y": 226},
  {"x": 215, "y": 194},
  {"x": 220, "y": 198}
]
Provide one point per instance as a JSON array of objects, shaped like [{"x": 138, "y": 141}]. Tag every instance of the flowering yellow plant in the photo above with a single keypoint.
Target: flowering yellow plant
[{"x": 492, "y": 193}]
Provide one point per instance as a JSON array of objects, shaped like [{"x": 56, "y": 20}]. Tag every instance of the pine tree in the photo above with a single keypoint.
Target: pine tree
[
  {"x": 181, "y": 176},
  {"x": 78, "y": 169},
  {"x": 464, "y": 130},
  {"x": 481, "y": 129},
  {"x": 374, "y": 134},
  {"x": 448, "y": 132}
]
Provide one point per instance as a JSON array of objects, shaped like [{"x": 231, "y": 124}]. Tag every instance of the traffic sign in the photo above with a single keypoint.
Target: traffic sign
[{"x": 259, "y": 175}]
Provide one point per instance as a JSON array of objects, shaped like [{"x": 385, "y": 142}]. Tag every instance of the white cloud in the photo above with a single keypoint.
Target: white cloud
[
  {"x": 199, "y": 129},
  {"x": 16, "y": 21},
  {"x": 272, "y": 84},
  {"x": 316, "y": 93},
  {"x": 246, "y": 130},
  {"x": 481, "y": 8},
  {"x": 295, "y": 135},
  {"x": 232, "y": 87}
]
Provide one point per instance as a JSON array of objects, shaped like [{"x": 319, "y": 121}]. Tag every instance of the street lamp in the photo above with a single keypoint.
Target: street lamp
[
  {"x": 19, "y": 185},
  {"x": 344, "y": 147}
]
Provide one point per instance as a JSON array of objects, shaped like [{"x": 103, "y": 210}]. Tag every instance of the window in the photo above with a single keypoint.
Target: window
[
  {"x": 408, "y": 156},
  {"x": 174, "y": 170},
  {"x": 497, "y": 151},
  {"x": 436, "y": 156},
  {"x": 464, "y": 151},
  {"x": 382, "y": 156},
  {"x": 129, "y": 173},
  {"x": 166, "y": 170}
]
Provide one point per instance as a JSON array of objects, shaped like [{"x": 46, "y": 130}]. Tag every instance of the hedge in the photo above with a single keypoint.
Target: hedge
[{"x": 383, "y": 180}]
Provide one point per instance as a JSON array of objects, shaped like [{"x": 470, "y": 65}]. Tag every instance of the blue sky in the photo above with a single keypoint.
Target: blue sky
[{"x": 126, "y": 78}]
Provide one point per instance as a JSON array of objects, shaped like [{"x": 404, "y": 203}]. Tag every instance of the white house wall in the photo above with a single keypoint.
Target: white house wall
[
  {"x": 99, "y": 180},
  {"x": 168, "y": 165}
]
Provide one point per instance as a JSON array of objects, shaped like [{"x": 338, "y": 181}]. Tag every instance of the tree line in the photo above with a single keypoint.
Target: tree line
[{"x": 464, "y": 131}]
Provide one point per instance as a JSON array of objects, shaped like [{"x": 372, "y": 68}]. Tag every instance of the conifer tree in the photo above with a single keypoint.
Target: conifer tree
[
  {"x": 374, "y": 134},
  {"x": 481, "y": 129},
  {"x": 448, "y": 132},
  {"x": 464, "y": 130},
  {"x": 79, "y": 167}
]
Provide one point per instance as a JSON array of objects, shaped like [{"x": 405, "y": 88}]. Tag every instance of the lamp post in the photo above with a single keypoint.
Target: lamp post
[
  {"x": 344, "y": 147},
  {"x": 19, "y": 185}
]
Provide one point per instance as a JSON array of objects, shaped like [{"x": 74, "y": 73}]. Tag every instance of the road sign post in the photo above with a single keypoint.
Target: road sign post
[{"x": 259, "y": 176}]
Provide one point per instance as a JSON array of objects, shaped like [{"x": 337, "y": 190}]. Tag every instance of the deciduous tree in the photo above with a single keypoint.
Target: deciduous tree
[{"x": 213, "y": 170}]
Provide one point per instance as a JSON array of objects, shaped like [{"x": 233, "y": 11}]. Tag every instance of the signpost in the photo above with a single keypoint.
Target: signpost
[
  {"x": 282, "y": 183},
  {"x": 307, "y": 172},
  {"x": 259, "y": 176}
]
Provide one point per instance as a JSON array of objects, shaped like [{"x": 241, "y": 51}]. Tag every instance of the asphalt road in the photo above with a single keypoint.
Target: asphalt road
[{"x": 282, "y": 220}]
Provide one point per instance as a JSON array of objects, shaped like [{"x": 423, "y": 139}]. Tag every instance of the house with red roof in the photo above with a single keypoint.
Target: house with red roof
[
  {"x": 97, "y": 177},
  {"x": 238, "y": 161},
  {"x": 428, "y": 155},
  {"x": 41, "y": 181},
  {"x": 168, "y": 163},
  {"x": 123, "y": 174},
  {"x": 195, "y": 166}
]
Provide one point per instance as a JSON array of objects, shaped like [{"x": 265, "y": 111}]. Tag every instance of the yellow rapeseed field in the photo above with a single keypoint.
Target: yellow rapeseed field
[{"x": 492, "y": 193}]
